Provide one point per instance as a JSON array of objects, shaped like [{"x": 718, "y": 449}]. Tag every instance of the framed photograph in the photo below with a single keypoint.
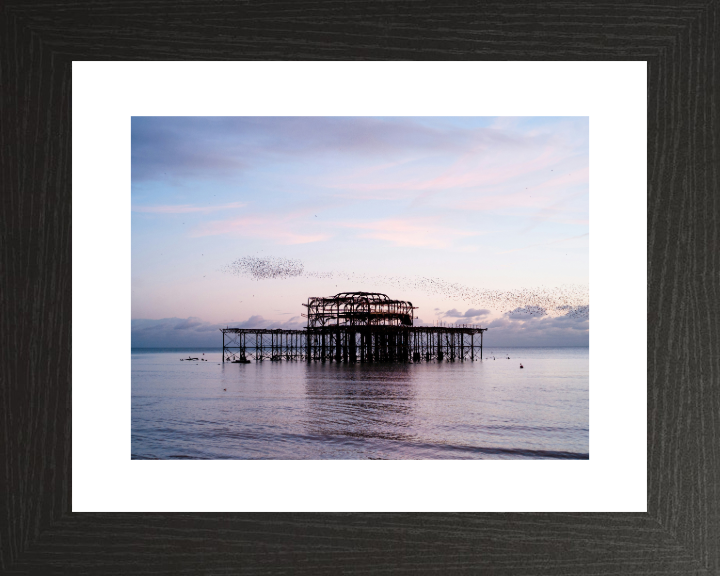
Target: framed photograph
[
  {"x": 299, "y": 193},
  {"x": 83, "y": 496},
  {"x": 452, "y": 259}
]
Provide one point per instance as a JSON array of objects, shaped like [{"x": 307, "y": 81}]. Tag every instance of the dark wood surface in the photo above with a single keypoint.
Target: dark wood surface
[{"x": 680, "y": 534}]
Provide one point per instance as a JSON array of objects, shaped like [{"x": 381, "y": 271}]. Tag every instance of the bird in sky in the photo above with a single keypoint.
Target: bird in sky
[{"x": 566, "y": 300}]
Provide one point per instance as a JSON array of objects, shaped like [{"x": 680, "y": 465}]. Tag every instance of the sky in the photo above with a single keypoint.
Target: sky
[{"x": 474, "y": 220}]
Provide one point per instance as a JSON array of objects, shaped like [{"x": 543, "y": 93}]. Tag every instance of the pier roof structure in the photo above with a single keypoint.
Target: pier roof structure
[{"x": 358, "y": 309}]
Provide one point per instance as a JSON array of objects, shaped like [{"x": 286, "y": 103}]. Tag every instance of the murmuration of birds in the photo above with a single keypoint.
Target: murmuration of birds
[
  {"x": 568, "y": 300},
  {"x": 266, "y": 268}
]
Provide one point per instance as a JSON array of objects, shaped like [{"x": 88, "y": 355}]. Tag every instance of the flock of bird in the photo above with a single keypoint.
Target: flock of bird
[
  {"x": 568, "y": 300},
  {"x": 266, "y": 268}
]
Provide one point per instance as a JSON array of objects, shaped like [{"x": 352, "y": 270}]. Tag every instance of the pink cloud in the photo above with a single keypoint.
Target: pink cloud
[
  {"x": 479, "y": 169},
  {"x": 281, "y": 228},
  {"x": 537, "y": 197},
  {"x": 547, "y": 243},
  {"x": 185, "y": 208},
  {"x": 503, "y": 172},
  {"x": 501, "y": 201},
  {"x": 411, "y": 232},
  {"x": 563, "y": 179}
]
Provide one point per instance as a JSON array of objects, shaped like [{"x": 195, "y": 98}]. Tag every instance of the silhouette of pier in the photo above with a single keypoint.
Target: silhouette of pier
[{"x": 356, "y": 327}]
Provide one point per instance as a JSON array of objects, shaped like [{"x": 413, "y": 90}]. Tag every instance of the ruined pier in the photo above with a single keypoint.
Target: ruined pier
[{"x": 356, "y": 327}]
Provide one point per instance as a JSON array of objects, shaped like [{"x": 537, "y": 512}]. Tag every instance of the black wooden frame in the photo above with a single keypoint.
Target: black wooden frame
[{"x": 680, "y": 533}]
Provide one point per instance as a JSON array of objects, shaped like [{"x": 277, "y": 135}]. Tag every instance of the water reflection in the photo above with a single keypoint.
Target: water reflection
[
  {"x": 292, "y": 410},
  {"x": 360, "y": 402}
]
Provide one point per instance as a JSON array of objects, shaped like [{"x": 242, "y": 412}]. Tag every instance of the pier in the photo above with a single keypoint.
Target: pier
[{"x": 356, "y": 327}]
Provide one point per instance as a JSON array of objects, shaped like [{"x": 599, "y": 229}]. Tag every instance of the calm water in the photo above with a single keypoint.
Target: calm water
[{"x": 291, "y": 410}]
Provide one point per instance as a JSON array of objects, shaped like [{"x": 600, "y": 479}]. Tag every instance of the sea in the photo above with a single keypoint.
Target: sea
[{"x": 482, "y": 409}]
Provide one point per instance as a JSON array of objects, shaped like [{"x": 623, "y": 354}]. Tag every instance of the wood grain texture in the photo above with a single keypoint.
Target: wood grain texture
[{"x": 681, "y": 531}]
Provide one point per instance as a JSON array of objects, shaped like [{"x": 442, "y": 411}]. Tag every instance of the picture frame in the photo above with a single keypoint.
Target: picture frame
[{"x": 680, "y": 532}]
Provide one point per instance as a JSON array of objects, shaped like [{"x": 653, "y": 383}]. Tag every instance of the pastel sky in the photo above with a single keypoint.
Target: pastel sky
[{"x": 375, "y": 204}]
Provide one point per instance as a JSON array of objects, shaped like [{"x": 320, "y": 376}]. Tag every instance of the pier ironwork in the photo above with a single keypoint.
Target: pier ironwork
[
  {"x": 356, "y": 327},
  {"x": 358, "y": 309},
  {"x": 354, "y": 344}
]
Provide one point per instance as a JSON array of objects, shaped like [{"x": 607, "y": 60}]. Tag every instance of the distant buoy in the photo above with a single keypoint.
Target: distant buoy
[{"x": 521, "y": 365}]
